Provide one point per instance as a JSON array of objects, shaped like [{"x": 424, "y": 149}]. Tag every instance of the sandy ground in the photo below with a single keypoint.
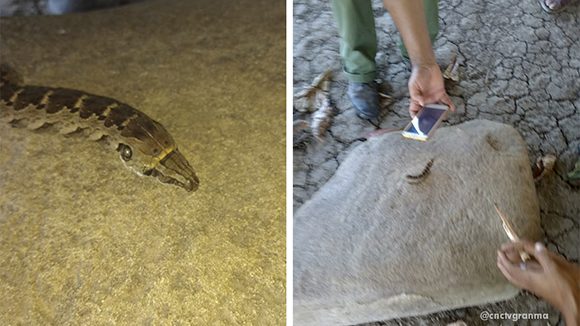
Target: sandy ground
[
  {"x": 519, "y": 66},
  {"x": 84, "y": 240}
]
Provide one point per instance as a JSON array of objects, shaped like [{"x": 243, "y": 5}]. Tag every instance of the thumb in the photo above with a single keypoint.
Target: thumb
[
  {"x": 543, "y": 256},
  {"x": 414, "y": 108}
]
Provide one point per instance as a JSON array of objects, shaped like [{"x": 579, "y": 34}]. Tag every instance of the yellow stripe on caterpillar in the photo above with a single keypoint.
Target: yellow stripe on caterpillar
[{"x": 155, "y": 161}]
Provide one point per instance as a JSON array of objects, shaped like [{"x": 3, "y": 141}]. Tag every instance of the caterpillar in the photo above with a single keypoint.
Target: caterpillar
[
  {"x": 416, "y": 178},
  {"x": 144, "y": 145}
]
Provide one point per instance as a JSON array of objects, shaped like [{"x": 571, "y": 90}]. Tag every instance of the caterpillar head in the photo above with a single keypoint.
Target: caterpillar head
[{"x": 149, "y": 150}]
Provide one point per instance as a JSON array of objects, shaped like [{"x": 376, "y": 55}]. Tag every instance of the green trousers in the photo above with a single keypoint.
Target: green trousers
[{"x": 358, "y": 39}]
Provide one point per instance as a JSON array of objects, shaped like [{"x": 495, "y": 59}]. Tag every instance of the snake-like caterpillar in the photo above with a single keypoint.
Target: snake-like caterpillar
[
  {"x": 143, "y": 143},
  {"x": 416, "y": 178}
]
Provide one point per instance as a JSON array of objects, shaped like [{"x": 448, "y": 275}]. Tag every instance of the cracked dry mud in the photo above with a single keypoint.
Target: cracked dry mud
[{"x": 518, "y": 65}]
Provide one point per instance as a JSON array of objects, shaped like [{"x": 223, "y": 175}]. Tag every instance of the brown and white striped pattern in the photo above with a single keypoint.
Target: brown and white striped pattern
[{"x": 70, "y": 110}]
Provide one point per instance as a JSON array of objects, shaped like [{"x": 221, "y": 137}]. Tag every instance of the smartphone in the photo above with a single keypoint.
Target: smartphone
[{"x": 425, "y": 122}]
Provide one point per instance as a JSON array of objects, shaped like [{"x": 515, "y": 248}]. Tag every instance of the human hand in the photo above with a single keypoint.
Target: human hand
[
  {"x": 426, "y": 86},
  {"x": 548, "y": 276}
]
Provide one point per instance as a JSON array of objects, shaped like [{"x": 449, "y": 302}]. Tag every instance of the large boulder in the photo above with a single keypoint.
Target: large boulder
[{"x": 392, "y": 235}]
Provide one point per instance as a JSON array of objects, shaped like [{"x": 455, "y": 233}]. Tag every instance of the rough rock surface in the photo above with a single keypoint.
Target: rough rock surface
[
  {"x": 518, "y": 65},
  {"x": 371, "y": 245}
]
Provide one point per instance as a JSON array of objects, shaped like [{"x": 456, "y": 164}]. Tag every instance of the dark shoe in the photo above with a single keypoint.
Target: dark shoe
[
  {"x": 553, "y": 6},
  {"x": 365, "y": 98}
]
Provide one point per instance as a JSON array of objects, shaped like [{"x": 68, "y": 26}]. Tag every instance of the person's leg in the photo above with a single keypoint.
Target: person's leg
[
  {"x": 358, "y": 40},
  {"x": 432, "y": 15},
  {"x": 358, "y": 48}
]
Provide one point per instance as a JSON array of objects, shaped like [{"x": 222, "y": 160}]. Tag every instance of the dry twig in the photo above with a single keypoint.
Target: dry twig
[
  {"x": 312, "y": 96},
  {"x": 322, "y": 119},
  {"x": 452, "y": 71}
]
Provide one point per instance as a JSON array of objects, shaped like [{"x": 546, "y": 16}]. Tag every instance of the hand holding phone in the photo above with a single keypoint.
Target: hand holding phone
[
  {"x": 426, "y": 85},
  {"x": 425, "y": 122}
]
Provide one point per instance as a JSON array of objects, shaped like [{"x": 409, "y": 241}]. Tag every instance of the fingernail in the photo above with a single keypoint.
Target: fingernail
[
  {"x": 523, "y": 266},
  {"x": 539, "y": 246}
]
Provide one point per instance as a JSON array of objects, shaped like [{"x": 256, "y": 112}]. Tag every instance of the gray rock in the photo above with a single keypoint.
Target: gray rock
[{"x": 370, "y": 246}]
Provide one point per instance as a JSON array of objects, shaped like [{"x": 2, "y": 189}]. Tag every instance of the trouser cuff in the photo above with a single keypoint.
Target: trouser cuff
[{"x": 360, "y": 78}]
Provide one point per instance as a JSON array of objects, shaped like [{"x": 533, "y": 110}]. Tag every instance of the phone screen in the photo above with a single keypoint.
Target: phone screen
[{"x": 423, "y": 122}]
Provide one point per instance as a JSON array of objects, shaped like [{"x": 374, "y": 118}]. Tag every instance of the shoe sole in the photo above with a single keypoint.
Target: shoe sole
[
  {"x": 548, "y": 9},
  {"x": 363, "y": 116}
]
